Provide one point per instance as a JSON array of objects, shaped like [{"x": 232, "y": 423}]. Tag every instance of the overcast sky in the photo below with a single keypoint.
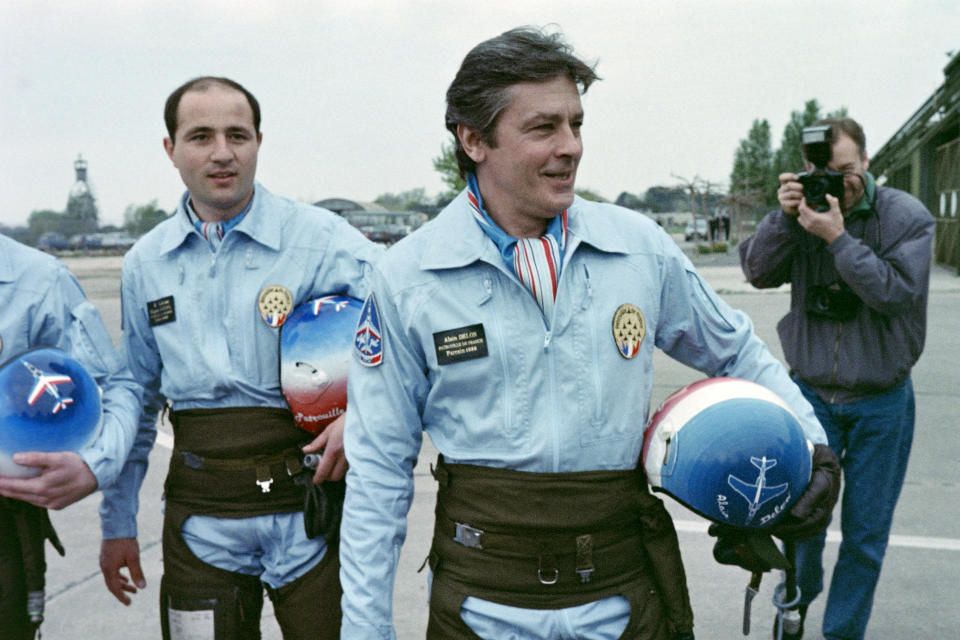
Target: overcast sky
[{"x": 352, "y": 92}]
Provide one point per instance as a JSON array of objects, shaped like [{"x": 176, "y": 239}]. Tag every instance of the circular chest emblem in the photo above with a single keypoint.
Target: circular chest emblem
[
  {"x": 629, "y": 327},
  {"x": 275, "y": 303}
]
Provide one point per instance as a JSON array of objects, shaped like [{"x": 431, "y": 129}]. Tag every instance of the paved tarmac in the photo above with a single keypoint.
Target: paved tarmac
[{"x": 916, "y": 598}]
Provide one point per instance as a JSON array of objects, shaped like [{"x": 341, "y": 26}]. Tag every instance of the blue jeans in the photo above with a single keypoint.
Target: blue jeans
[{"x": 872, "y": 438}]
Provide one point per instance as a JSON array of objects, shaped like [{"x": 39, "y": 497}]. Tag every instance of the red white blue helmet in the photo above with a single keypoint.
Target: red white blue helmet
[
  {"x": 315, "y": 345},
  {"x": 48, "y": 402},
  {"x": 729, "y": 449}
]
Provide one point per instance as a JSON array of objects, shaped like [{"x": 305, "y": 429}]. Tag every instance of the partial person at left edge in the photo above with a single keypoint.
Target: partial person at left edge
[
  {"x": 205, "y": 294},
  {"x": 43, "y": 306}
]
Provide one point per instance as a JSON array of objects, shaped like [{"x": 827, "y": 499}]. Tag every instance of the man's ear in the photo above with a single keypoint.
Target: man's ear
[
  {"x": 866, "y": 162},
  {"x": 168, "y": 147},
  {"x": 473, "y": 145}
]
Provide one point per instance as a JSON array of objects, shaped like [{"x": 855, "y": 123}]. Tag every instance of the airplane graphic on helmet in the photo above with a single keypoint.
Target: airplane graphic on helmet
[
  {"x": 758, "y": 493},
  {"x": 48, "y": 384}
]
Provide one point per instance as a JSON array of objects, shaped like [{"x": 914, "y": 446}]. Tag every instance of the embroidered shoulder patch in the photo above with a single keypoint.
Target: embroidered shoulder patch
[{"x": 368, "y": 343}]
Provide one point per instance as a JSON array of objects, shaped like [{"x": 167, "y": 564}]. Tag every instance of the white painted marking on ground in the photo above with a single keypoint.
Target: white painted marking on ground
[
  {"x": 164, "y": 439},
  {"x": 913, "y": 542}
]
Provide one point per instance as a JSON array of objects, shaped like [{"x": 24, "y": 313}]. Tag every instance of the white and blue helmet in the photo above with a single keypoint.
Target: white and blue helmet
[
  {"x": 48, "y": 402},
  {"x": 729, "y": 449},
  {"x": 315, "y": 345}
]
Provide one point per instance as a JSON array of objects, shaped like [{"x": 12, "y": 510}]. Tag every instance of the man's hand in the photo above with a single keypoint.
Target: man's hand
[
  {"x": 811, "y": 513},
  {"x": 114, "y": 555},
  {"x": 790, "y": 193},
  {"x": 333, "y": 464},
  {"x": 826, "y": 225},
  {"x": 64, "y": 478}
]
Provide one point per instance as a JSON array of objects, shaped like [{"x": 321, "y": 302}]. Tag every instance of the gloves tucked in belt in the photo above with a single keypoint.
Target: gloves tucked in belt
[
  {"x": 323, "y": 507},
  {"x": 811, "y": 513}
]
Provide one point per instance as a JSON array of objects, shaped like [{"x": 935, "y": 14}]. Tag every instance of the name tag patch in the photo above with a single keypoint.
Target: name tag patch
[
  {"x": 161, "y": 311},
  {"x": 457, "y": 345}
]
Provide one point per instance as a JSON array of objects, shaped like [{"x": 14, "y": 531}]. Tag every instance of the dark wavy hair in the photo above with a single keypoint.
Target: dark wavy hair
[
  {"x": 480, "y": 91},
  {"x": 202, "y": 84}
]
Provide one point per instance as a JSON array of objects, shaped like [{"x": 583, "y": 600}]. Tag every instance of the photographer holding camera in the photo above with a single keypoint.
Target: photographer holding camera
[{"x": 857, "y": 256}]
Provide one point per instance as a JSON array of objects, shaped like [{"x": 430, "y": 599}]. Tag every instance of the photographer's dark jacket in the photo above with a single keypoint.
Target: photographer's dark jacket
[{"x": 883, "y": 260}]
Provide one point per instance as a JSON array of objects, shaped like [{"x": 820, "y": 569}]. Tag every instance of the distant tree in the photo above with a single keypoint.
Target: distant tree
[
  {"x": 752, "y": 181},
  {"x": 661, "y": 199},
  {"x": 137, "y": 220},
  {"x": 410, "y": 200},
  {"x": 839, "y": 113},
  {"x": 630, "y": 201},
  {"x": 588, "y": 194},
  {"x": 446, "y": 165},
  {"x": 20, "y": 234},
  {"x": 753, "y": 160},
  {"x": 704, "y": 197},
  {"x": 788, "y": 157},
  {"x": 43, "y": 221}
]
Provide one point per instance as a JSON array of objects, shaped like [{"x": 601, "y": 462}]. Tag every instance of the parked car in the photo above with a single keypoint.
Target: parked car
[
  {"x": 52, "y": 241},
  {"x": 689, "y": 233}
]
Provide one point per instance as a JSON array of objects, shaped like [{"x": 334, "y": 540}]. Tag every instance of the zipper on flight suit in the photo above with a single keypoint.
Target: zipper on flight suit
[
  {"x": 498, "y": 331},
  {"x": 587, "y": 306}
]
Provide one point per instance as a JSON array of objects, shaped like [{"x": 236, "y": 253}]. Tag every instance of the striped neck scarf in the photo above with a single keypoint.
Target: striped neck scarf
[
  {"x": 535, "y": 261},
  {"x": 213, "y": 232}
]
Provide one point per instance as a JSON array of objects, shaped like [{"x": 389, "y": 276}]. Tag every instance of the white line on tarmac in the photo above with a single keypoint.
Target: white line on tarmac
[
  {"x": 164, "y": 439},
  {"x": 915, "y": 542}
]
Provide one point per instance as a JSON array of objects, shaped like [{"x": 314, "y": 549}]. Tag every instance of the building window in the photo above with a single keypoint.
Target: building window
[
  {"x": 953, "y": 204},
  {"x": 943, "y": 204}
]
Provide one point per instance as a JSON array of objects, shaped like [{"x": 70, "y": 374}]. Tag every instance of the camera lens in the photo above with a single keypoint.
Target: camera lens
[{"x": 815, "y": 190}]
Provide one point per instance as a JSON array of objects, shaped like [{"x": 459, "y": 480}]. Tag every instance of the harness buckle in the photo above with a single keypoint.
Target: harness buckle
[
  {"x": 585, "y": 557},
  {"x": 468, "y": 536},
  {"x": 264, "y": 479},
  {"x": 540, "y": 569}
]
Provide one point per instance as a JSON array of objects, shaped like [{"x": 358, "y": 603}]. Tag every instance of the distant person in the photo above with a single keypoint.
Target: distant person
[
  {"x": 43, "y": 306},
  {"x": 859, "y": 270},
  {"x": 204, "y": 296},
  {"x": 517, "y": 329}
]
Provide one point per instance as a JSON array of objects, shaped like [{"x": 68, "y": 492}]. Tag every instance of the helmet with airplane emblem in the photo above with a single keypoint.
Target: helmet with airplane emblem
[
  {"x": 730, "y": 450},
  {"x": 315, "y": 345},
  {"x": 48, "y": 402}
]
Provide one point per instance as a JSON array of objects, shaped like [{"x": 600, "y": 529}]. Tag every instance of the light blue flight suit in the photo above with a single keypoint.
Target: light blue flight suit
[
  {"x": 43, "y": 306},
  {"x": 547, "y": 397},
  {"x": 217, "y": 352}
]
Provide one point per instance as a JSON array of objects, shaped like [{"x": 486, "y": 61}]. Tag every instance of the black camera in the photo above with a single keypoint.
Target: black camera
[
  {"x": 817, "y": 183},
  {"x": 833, "y": 301}
]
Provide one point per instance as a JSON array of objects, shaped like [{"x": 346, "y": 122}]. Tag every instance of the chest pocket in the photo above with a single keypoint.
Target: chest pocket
[
  {"x": 477, "y": 403},
  {"x": 179, "y": 291},
  {"x": 603, "y": 389}
]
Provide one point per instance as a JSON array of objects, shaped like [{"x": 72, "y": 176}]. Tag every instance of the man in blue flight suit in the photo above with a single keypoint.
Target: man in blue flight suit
[
  {"x": 44, "y": 306},
  {"x": 204, "y": 296},
  {"x": 517, "y": 329}
]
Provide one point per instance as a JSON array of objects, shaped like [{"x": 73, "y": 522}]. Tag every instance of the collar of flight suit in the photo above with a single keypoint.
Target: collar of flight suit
[
  {"x": 260, "y": 225},
  {"x": 456, "y": 240}
]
